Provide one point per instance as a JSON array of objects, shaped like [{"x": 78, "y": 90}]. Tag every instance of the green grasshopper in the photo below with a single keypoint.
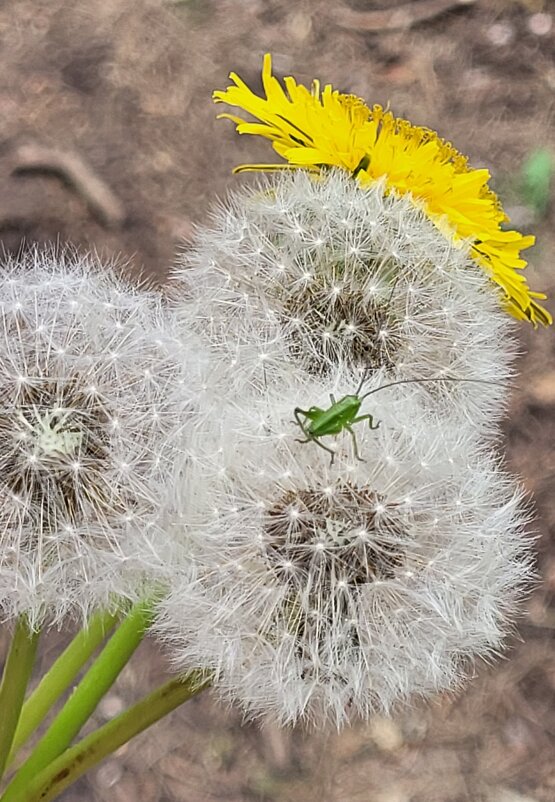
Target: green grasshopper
[{"x": 343, "y": 414}]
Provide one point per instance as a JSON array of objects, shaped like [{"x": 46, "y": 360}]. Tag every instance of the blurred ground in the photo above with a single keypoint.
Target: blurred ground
[{"x": 108, "y": 138}]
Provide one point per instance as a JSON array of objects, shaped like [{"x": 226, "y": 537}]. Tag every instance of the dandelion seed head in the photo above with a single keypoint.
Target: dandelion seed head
[
  {"x": 370, "y": 297},
  {"x": 359, "y": 588},
  {"x": 87, "y": 442}
]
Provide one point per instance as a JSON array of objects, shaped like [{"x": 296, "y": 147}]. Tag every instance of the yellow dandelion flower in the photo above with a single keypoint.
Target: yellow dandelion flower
[{"x": 321, "y": 127}]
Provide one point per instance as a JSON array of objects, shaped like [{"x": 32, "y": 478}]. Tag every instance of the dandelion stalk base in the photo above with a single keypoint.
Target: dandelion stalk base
[
  {"x": 77, "y": 760},
  {"x": 17, "y": 672},
  {"x": 84, "y": 700},
  {"x": 59, "y": 677}
]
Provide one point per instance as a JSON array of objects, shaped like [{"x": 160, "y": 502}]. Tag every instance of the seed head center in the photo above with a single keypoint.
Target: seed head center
[{"x": 52, "y": 432}]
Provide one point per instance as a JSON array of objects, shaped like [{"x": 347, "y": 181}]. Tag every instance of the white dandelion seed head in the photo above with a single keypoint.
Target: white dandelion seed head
[
  {"x": 322, "y": 591},
  {"x": 96, "y": 382},
  {"x": 335, "y": 274}
]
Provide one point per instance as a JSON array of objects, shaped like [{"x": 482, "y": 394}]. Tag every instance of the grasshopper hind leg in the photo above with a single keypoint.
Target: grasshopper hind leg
[
  {"x": 355, "y": 444},
  {"x": 326, "y": 448}
]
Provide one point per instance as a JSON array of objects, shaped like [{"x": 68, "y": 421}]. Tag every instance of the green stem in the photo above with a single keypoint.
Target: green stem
[
  {"x": 17, "y": 672},
  {"x": 59, "y": 677},
  {"x": 83, "y": 701},
  {"x": 78, "y": 759}
]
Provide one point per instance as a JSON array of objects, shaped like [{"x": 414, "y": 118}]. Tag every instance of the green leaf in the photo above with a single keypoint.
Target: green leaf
[{"x": 536, "y": 176}]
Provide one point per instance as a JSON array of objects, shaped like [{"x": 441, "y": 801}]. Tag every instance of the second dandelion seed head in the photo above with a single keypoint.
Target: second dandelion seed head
[{"x": 97, "y": 388}]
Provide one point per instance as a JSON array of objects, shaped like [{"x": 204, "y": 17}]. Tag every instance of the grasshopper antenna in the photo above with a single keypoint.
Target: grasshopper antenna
[
  {"x": 365, "y": 374},
  {"x": 420, "y": 381}
]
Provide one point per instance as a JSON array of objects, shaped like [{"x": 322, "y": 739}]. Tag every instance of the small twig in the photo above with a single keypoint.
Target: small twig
[
  {"x": 393, "y": 19},
  {"x": 68, "y": 165},
  {"x": 277, "y": 747}
]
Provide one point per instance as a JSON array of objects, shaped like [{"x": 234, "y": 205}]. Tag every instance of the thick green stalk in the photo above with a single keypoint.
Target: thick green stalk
[
  {"x": 83, "y": 701},
  {"x": 17, "y": 671},
  {"x": 78, "y": 759},
  {"x": 59, "y": 677}
]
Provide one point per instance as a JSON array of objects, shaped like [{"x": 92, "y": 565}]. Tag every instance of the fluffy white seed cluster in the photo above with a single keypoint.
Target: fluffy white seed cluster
[
  {"x": 321, "y": 591},
  {"x": 96, "y": 392},
  {"x": 320, "y": 573},
  {"x": 322, "y": 273}
]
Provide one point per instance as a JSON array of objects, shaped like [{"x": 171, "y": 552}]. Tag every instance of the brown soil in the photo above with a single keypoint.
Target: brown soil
[{"x": 118, "y": 92}]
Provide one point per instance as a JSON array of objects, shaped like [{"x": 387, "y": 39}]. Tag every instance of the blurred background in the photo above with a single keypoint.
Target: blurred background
[{"x": 109, "y": 140}]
